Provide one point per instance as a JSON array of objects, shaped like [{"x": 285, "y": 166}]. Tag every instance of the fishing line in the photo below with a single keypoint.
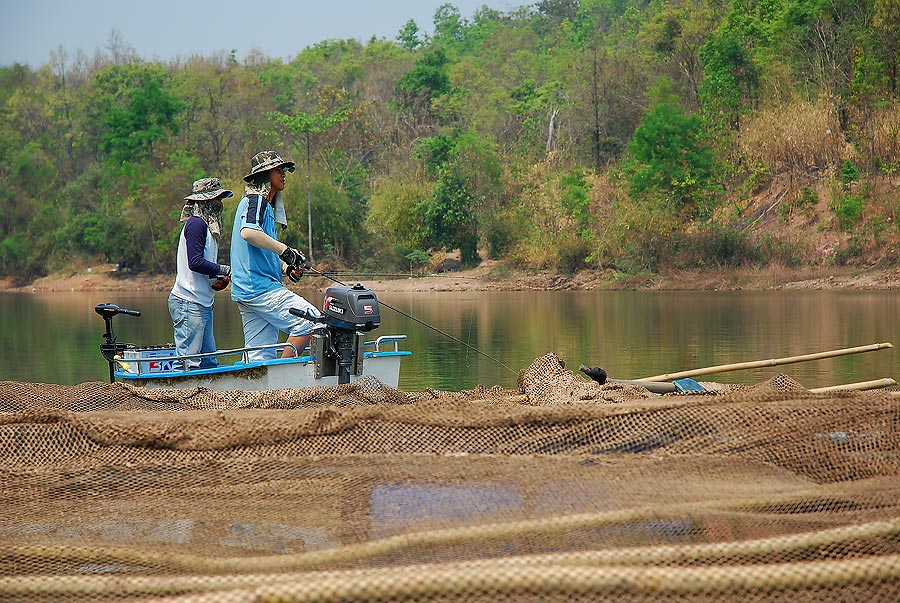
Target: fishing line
[
  {"x": 469, "y": 335},
  {"x": 414, "y": 319}
]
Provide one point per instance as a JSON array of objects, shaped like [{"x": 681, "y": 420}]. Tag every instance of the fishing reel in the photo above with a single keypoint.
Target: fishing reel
[
  {"x": 294, "y": 261},
  {"x": 298, "y": 268}
]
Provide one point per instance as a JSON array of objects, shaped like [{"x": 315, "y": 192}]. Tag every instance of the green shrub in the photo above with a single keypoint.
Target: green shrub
[
  {"x": 642, "y": 254},
  {"x": 572, "y": 255},
  {"x": 723, "y": 247},
  {"x": 783, "y": 251},
  {"x": 849, "y": 174},
  {"x": 574, "y": 198},
  {"x": 16, "y": 255},
  {"x": 758, "y": 175},
  {"x": 808, "y": 199},
  {"x": 848, "y": 210},
  {"x": 499, "y": 237},
  {"x": 853, "y": 249},
  {"x": 886, "y": 166}
]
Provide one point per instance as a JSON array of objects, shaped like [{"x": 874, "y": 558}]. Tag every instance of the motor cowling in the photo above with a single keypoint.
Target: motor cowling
[{"x": 352, "y": 308}]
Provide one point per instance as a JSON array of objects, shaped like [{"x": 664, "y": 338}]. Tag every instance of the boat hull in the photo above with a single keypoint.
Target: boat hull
[{"x": 265, "y": 375}]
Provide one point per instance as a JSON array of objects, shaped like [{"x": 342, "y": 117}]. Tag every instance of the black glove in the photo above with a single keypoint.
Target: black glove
[
  {"x": 224, "y": 270},
  {"x": 292, "y": 257}
]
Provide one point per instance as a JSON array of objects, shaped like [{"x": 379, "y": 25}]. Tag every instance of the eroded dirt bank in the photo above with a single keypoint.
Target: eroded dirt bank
[{"x": 491, "y": 276}]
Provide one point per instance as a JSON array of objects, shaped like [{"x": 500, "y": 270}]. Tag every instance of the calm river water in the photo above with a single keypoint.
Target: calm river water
[{"x": 54, "y": 338}]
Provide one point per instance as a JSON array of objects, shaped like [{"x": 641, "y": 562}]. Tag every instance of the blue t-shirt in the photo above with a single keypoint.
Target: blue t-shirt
[{"x": 254, "y": 271}]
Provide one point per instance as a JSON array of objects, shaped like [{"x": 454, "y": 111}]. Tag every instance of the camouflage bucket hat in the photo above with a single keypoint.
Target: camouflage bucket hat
[
  {"x": 265, "y": 161},
  {"x": 207, "y": 188}
]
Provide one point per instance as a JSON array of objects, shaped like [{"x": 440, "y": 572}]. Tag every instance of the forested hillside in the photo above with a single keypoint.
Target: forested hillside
[{"x": 625, "y": 135}]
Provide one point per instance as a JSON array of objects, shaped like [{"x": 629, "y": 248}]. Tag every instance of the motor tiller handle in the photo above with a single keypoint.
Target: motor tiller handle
[
  {"x": 306, "y": 315},
  {"x": 110, "y": 310}
]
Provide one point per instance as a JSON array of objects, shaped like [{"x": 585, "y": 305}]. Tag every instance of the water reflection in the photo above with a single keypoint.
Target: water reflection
[
  {"x": 175, "y": 531},
  {"x": 55, "y": 337},
  {"x": 261, "y": 536},
  {"x": 397, "y": 508},
  {"x": 276, "y": 537}
]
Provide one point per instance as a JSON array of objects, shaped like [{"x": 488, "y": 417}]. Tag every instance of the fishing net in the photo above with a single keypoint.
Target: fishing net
[{"x": 559, "y": 490}]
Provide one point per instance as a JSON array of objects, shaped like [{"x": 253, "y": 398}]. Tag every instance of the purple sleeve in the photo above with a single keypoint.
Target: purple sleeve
[{"x": 195, "y": 230}]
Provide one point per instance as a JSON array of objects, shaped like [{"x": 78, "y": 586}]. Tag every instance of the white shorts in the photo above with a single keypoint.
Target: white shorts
[{"x": 266, "y": 315}]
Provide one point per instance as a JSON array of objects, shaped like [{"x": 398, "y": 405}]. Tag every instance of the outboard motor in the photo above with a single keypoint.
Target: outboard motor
[{"x": 347, "y": 313}]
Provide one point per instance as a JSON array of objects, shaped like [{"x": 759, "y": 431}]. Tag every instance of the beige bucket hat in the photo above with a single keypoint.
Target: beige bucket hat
[
  {"x": 207, "y": 188},
  {"x": 265, "y": 161}
]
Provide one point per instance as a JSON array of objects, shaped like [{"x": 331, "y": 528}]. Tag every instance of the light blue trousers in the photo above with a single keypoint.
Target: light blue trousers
[
  {"x": 193, "y": 331},
  {"x": 267, "y": 314}
]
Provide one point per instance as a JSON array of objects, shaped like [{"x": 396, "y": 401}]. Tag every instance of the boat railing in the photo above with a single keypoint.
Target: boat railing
[
  {"x": 244, "y": 352},
  {"x": 385, "y": 340}
]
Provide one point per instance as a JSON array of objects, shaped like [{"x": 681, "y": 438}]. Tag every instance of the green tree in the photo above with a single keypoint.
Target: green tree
[
  {"x": 823, "y": 37},
  {"x": 676, "y": 32},
  {"x": 448, "y": 216},
  {"x": 336, "y": 220},
  {"x": 449, "y": 26},
  {"x": 136, "y": 108},
  {"x": 558, "y": 9},
  {"x": 393, "y": 215},
  {"x": 730, "y": 78},
  {"x": 305, "y": 125},
  {"x": 222, "y": 107},
  {"x": 468, "y": 195},
  {"x": 427, "y": 79},
  {"x": 278, "y": 81},
  {"x": 669, "y": 161},
  {"x": 409, "y": 36},
  {"x": 886, "y": 21}
]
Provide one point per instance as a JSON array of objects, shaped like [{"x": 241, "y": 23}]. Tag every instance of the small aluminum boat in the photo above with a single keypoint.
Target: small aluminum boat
[{"x": 338, "y": 353}]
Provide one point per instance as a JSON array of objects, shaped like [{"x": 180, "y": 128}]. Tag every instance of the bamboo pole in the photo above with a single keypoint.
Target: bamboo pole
[
  {"x": 503, "y": 582},
  {"x": 724, "y": 368},
  {"x": 719, "y": 553},
  {"x": 856, "y": 387}
]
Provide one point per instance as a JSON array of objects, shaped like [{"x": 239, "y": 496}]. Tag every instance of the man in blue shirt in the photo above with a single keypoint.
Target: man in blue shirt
[
  {"x": 199, "y": 275},
  {"x": 259, "y": 260}
]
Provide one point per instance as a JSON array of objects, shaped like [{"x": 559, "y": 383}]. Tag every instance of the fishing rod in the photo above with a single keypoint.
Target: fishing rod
[
  {"x": 308, "y": 268},
  {"x": 385, "y": 274}
]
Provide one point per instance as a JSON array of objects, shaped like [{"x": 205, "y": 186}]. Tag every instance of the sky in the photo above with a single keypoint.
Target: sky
[{"x": 168, "y": 29}]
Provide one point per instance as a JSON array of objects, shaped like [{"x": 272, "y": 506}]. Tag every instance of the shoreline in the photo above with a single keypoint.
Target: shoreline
[{"x": 491, "y": 276}]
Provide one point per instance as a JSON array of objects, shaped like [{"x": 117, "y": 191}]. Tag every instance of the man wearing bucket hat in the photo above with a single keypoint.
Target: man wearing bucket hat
[
  {"x": 259, "y": 259},
  {"x": 199, "y": 275}
]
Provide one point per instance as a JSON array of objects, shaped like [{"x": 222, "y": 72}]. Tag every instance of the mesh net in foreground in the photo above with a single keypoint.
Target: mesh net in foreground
[{"x": 561, "y": 490}]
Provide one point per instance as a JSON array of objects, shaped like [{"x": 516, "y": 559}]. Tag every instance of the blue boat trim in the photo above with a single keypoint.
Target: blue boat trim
[{"x": 238, "y": 366}]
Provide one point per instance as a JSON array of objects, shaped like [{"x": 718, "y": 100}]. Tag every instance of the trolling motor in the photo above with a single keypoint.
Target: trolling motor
[
  {"x": 110, "y": 348},
  {"x": 347, "y": 313}
]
